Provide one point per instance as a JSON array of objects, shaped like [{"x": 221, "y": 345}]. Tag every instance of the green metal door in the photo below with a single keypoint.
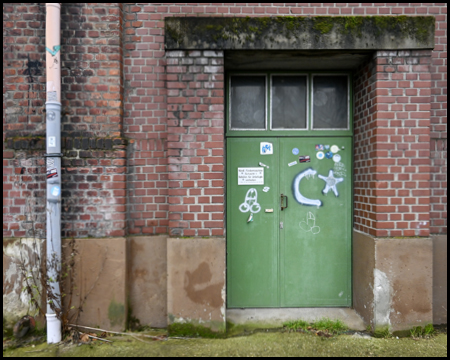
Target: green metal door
[{"x": 289, "y": 234}]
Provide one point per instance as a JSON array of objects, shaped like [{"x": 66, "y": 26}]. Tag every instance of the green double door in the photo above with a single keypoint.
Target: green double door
[{"x": 289, "y": 222}]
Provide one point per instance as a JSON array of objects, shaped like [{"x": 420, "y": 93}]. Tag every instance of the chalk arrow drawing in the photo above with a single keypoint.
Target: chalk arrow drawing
[
  {"x": 310, "y": 224},
  {"x": 251, "y": 202},
  {"x": 296, "y": 188}
]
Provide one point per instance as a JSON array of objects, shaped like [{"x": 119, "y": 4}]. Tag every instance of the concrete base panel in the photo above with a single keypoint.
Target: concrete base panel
[
  {"x": 439, "y": 279},
  {"x": 363, "y": 275},
  {"x": 100, "y": 282},
  {"x": 276, "y": 317},
  {"x": 393, "y": 281},
  {"x": 196, "y": 281},
  {"x": 147, "y": 271},
  {"x": 18, "y": 253}
]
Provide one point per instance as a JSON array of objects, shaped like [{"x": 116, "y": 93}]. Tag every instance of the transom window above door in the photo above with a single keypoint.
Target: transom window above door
[{"x": 280, "y": 104}]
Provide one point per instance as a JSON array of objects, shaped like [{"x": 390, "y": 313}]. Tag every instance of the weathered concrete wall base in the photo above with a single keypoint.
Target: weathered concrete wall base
[
  {"x": 363, "y": 275},
  {"x": 147, "y": 271},
  {"x": 276, "y": 317},
  {"x": 100, "y": 282},
  {"x": 196, "y": 281},
  {"x": 439, "y": 279},
  {"x": 24, "y": 252},
  {"x": 393, "y": 281}
]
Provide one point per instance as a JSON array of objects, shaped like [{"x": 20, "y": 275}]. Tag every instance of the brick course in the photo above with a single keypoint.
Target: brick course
[{"x": 117, "y": 81}]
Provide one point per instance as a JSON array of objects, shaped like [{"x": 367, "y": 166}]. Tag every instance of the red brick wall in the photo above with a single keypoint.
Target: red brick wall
[
  {"x": 93, "y": 172},
  {"x": 392, "y": 144},
  {"x": 195, "y": 98},
  {"x": 115, "y": 85}
]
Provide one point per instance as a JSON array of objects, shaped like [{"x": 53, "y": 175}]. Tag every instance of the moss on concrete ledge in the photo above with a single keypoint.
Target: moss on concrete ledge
[{"x": 297, "y": 33}]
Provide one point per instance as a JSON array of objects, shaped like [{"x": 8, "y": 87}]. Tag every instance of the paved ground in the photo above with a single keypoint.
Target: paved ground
[{"x": 256, "y": 344}]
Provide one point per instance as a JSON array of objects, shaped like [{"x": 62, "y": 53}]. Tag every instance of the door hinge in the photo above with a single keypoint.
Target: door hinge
[{"x": 281, "y": 225}]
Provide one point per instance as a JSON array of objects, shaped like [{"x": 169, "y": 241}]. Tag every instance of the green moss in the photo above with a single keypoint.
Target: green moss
[
  {"x": 191, "y": 330},
  {"x": 331, "y": 326},
  {"x": 116, "y": 313},
  {"x": 323, "y": 24},
  {"x": 382, "y": 332}
]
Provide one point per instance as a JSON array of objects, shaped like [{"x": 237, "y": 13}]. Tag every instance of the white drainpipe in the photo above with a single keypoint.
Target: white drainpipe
[{"x": 53, "y": 159}]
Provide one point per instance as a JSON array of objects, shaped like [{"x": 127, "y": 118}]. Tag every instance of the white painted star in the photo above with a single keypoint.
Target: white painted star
[{"x": 331, "y": 182}]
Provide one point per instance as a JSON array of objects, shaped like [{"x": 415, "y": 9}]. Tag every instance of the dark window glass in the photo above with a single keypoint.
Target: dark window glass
[
  {"x": 288, "y": 102},
  {"x": 330, "y": 102},
  {"x": 248, "y": 95}
]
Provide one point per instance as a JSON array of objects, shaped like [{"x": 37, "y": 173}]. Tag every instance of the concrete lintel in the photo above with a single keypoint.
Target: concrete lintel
[
  {"x": 276, "y": 317},
  {"x": 300, "y": 33}
]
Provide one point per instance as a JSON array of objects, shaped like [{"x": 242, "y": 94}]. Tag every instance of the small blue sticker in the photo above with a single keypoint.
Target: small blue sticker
[
  {"x": 329, "y": 155},
  {"x": 326, "y": 147},
  {"x": 55, "y": 190},
  {"x": 295, "y": 151},
  {"x": 320, "y": 155}
]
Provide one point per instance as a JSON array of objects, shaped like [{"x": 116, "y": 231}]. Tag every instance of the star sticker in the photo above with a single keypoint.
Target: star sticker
[{"x": 331, "y": 182}]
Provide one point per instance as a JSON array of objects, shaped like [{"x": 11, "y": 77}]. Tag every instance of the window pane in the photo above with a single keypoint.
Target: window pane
[
  {"x": 330, "y": 102},
  {"x": 289, "y": 102},
  {"x": 248, "y": 95}
]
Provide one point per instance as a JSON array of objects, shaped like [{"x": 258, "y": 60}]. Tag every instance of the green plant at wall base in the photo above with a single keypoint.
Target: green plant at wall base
[
  {"x": 296, "y": 325},
  {"x": 419, "y": 331},
  {"x": 384, "y": 333}
]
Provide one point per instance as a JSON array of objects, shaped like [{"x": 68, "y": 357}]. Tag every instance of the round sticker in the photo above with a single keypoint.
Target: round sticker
[
  {"x": 329, "y": 155},
  {"x": 55, "y": 190},
  {"x": 295, "y": 151},
  {"x": 320, "y": 155},
  {"x": 337, "y": 158},
  {"x": 334, "y": 149}
]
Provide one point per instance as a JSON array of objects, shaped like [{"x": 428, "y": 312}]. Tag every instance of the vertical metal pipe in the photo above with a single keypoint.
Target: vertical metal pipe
[{"x": 53, "y": 162}]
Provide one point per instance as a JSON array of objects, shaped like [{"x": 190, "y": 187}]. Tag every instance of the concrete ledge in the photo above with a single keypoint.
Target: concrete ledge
[
  {"x": 300, "y": 33},
  {"x": 196, "y": 281},
  {"x": 276, "y": 317}
]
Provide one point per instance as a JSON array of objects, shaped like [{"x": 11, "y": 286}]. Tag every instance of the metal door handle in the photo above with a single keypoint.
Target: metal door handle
[{"x": 282, "y": 197}]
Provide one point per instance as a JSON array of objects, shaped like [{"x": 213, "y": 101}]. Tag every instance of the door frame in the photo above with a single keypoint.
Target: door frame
[{"x": 309, "y": 132}]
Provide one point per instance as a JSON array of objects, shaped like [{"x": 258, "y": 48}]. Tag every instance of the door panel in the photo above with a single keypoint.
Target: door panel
[
  {"x": 315, "y": 266},
  {"x": 252, "y": 249},
  {"x": 307, "y": 262}
]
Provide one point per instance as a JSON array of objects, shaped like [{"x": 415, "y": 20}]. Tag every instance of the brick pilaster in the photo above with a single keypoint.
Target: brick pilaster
[{"x": 195, "y": 95}]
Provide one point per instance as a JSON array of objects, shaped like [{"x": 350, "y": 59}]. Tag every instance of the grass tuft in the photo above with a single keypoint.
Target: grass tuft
[
  {"x": 419, "y": 331},
  {"x": 325, "y": 324}
]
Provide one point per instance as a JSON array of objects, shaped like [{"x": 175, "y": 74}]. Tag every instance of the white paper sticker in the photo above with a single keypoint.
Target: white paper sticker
[
  {"x": 266, "y": 188},
  {"x": 336, "y": 158},
  {"x": 334, "y": 149},
  {"x": 292, "y": 163},
  {"x": 266, "y": 148},
  {"x": 55, "y": 190},
  {"x": 251, "y": 176},
  {"x": 51, "y": 141}
]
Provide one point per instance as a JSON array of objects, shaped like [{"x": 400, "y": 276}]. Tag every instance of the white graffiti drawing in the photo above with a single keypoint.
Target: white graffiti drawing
[
  {"x": 331, "y": 183},
  {"x": 310, "y": 224},
  {"x": 339, "y": 169},
  {"x": 296, "y": 188},
  {"x": 251, "y": 202},
  {"x": 266, "y": 188}
]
